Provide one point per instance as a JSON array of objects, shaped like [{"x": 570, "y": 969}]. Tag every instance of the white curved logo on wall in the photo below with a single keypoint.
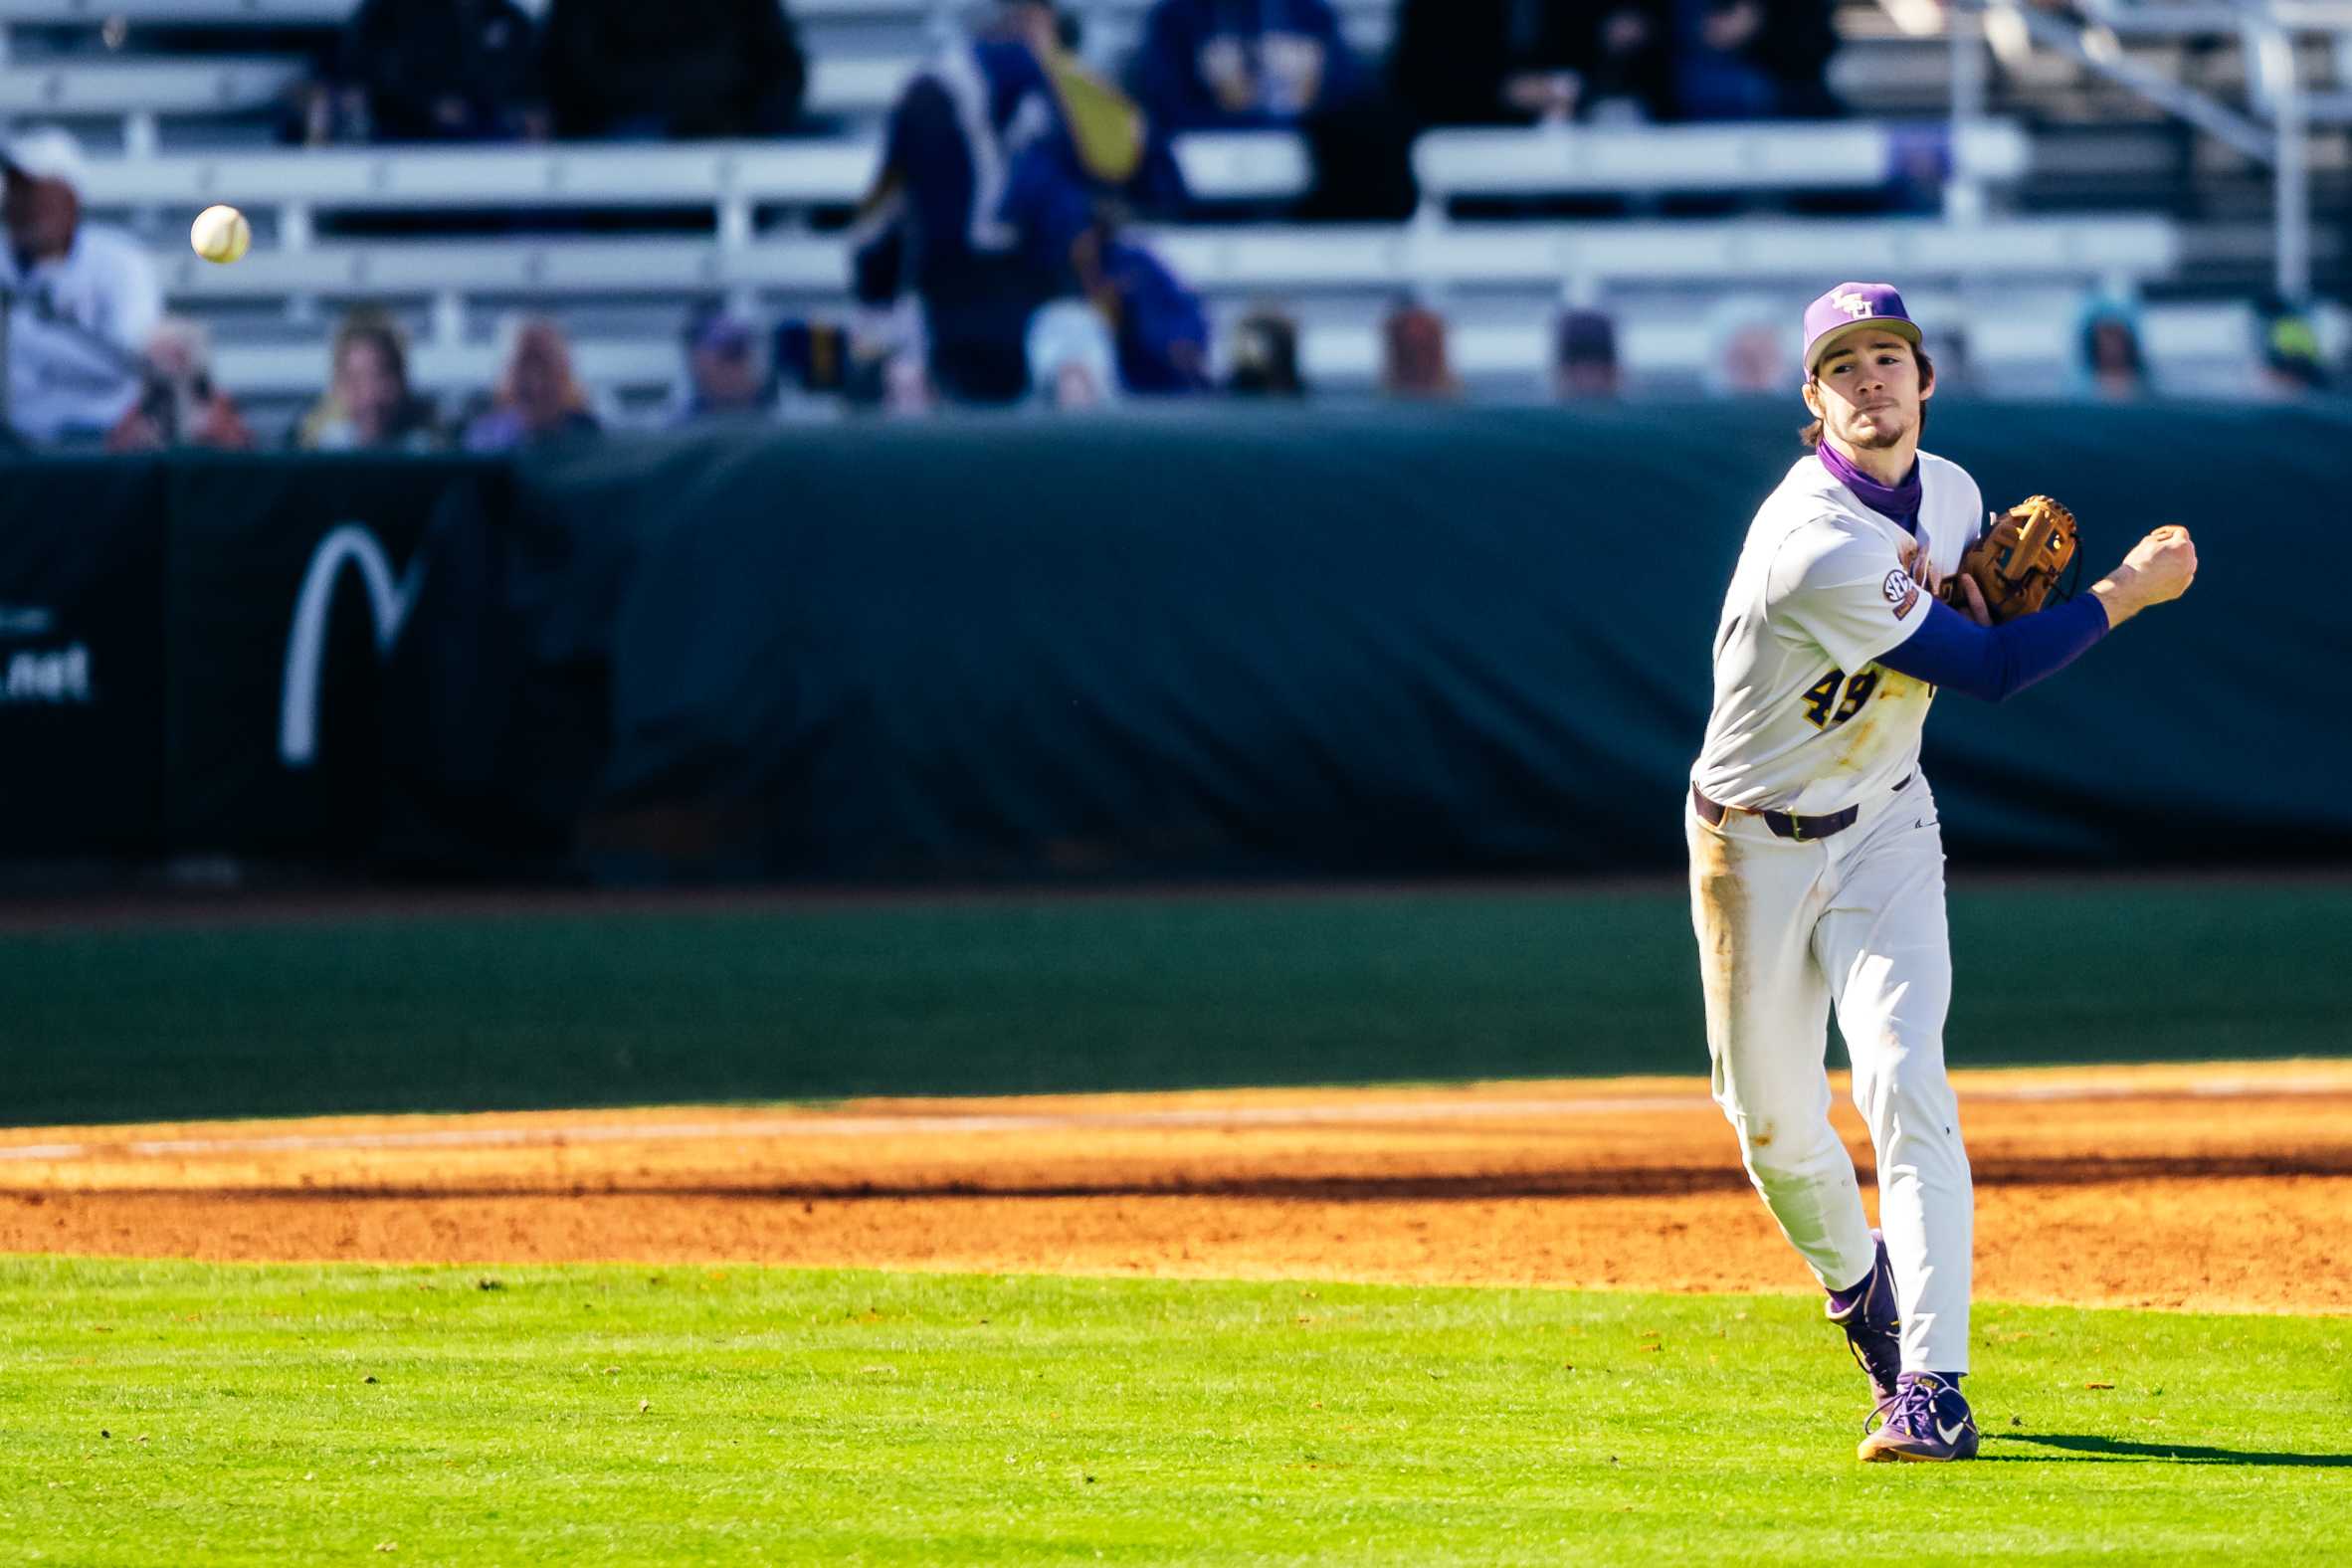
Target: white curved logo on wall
[{"x": 351, "y": 544}]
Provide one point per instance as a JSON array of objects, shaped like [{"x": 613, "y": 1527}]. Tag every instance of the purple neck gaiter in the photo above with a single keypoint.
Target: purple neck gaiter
[{"x": 1899, "y": 502}]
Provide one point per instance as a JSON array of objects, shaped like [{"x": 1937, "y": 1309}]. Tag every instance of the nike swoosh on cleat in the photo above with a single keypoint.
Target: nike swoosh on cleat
[{"x": 1947, "y": 1434}]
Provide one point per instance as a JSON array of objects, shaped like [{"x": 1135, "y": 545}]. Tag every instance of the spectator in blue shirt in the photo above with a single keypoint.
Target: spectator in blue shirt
[
  {"x": 1241, "y": 65},
  {"x": 1163, "y": 331},
  {"x": 1753, "y": 59},
  {"x": 997, "y": 168},
  {"x": 1279, "y": 65}
]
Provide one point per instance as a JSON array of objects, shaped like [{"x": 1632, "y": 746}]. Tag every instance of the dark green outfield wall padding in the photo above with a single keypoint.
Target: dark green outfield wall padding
[
  {"x": 1208, "y": 642},
  {"x": 1391, "y": 642}
]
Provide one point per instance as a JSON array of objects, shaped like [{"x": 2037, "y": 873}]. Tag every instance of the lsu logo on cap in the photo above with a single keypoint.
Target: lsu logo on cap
[{"x": 1853, "y": 304}]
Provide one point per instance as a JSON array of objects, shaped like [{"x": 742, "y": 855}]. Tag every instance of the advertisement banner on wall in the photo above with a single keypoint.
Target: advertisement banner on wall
[
  {"x": 82, "y": 659},
  {"x": 289, "y": 582}
]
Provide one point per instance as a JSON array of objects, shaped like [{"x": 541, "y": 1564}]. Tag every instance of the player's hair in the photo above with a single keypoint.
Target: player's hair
[{"x": 1811, "y": 434}]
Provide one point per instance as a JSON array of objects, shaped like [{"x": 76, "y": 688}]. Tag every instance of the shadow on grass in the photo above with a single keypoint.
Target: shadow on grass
[{"x": 2118, "y": 1449}]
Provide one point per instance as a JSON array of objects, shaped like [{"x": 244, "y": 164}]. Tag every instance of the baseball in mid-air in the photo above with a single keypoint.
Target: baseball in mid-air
[{"x": 221, "y": 234}]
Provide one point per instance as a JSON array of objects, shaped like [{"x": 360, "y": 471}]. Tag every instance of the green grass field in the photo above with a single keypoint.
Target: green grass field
[
  {"x": 204, "y": 1415},
  {"x": 1015, "y": 996}
]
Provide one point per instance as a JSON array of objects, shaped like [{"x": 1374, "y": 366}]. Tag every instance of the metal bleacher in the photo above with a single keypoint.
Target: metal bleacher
[
  {"x": 139, "y": 92},
  {"x": 287, "y": 188},
  {"x": 455, "y": 284},
  {"x": 2016, "y": 278}
]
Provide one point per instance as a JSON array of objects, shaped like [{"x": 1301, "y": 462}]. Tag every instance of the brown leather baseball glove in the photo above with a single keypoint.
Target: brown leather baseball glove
[{"x": 2019, "y": 560}]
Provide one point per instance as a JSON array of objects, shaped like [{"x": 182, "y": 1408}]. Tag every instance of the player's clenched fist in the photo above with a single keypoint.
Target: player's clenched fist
[
  {"x": 2159, "y": 567},
  {"x": 2169, "y": 557}
]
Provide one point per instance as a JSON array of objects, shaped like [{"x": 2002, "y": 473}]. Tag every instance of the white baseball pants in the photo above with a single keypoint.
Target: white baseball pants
[{"x": 1785, "y": 931}]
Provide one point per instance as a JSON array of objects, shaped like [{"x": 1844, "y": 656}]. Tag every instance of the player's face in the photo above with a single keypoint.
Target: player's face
[{"x": 1868, "y": 392}]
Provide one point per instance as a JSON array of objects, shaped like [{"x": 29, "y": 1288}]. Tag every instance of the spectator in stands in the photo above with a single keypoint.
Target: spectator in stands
[
  {"x": 445, "y": 70},
  {"x": 1627, "y": 64},
  {"x": 182, "y": 405},
  {"x": 1752, "y": 355},
  {"x": 1753, "y": 59},
  {"x": 1956, "y": 368},
  {"x": 1265, "y": 357},
  {"x": 369, "y": 405},
  {"x": 813, "y": 356},
  {"x": 81, "y": 300},
  {"x": 1161, "y": 328},
  {"x": 817, "y": 371},
  {"x": 726, "y": 376},
  {"x": 323, "y": 109},
  {"x": 1259, "y": 65},
  {"x": 906, "y": 389},
  {"x": 1523, "y": 62},
  {"x": 1414, "y": 361},
  {"x": 1919, "y": 165},
  {"x": 1073, "y": 362},
  {"x": 1241, "y": 65},
  {"x": 2112, "y": 363},
  {"x": 2294, "y": 365},
  {"x": 672, "y": 68},
  {"x": 1584, "y": 357},
  {"x": 538, "y": 399},
  {"x": 999, "y": 171}
]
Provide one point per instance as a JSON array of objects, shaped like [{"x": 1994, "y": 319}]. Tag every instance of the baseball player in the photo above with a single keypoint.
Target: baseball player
[{"x": 1815, "y": 859}]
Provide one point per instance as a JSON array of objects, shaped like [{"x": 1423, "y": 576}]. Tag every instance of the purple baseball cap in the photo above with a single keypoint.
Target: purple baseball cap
[{"x": 1849, "y": 307}]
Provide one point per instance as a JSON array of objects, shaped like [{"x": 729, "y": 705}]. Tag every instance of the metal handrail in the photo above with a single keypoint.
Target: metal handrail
[{"x": 2276, "y": 134}]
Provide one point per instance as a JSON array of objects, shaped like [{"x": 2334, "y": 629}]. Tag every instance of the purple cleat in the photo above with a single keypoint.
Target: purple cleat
[
  {"x": 1929, "y": 1422},
  {"x": 1869, "y": 1317}
]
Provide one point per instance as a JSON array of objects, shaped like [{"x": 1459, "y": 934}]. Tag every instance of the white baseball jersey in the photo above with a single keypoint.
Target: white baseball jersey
[
  {"x": 1805, "y": 720},
  {"x": 58, "y": 385}
]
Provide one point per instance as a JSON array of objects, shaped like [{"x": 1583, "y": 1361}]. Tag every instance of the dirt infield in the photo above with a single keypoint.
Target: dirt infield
[{"x": 2211, "y": 1187}]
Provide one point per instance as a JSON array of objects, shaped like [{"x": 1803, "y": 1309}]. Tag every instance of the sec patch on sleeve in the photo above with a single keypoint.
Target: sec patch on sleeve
[{"x": 1902, "y": 593}]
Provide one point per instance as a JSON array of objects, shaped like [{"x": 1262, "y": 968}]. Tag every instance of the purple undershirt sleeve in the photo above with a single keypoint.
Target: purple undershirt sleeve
[{"x": 1996, "y": 662}]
